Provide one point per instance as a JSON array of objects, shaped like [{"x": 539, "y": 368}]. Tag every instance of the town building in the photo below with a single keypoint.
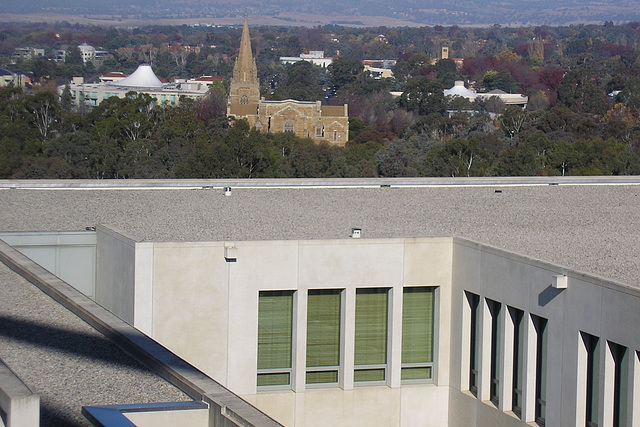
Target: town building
[
  {"x": 60, "y": 56},
  {"x": 316, "y": 57},
  {"x": 378, "y": 73},
  {"x": 27, "y": 53},
  {"x": 207, "y": 80},
  {"x": 114, "y": 76},
  {"x": 10, "y": 79},
  {"x": 90, "y": 54},
  {"x": 312, "y": 120},
  {"x": 143, "y": 80},
  {"x": 390, "y": 324},
  {"x": 508, "y": 98}
]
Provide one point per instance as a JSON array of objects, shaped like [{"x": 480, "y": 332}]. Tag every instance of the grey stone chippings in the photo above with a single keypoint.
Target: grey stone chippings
[
  {"x": 65, "y": 361},
  {"x": 590, "y": 228}
]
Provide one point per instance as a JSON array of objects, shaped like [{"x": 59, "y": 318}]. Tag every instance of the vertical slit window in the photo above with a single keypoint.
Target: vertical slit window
[
  {"x": 275, "y": 316},
  {"x": 540, "y": 325},
  {"x": 494, "y": 389},
  {"x": 323, "y": 336},
  {"x": 417, "y": 333},
  {"x": 370, "y": 357},
  {"x": 473, "y": 301},
  {"x": 620, "y": 384},
  {"x": 591, "y": 344},
  {"x": 518, "y": 360}
]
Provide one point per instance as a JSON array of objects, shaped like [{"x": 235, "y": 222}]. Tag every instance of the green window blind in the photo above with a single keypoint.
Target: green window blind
[
  {"x": 417, "y": 332},
  {"x": 275, "y": 316},
  {"x": 323, "y": 336},
  {"x": 371, "y": 334}
]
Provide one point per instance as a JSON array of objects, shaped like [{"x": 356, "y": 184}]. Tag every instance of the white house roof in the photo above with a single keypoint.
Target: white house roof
[
  {"x": 460, "y": 90},
  {"x": 142, "y": 77}
]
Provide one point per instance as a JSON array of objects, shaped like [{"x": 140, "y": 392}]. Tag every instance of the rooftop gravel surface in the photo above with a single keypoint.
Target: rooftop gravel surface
[
  {"x": 65, "y": 361},
  {"x": 593, "y": 228}
]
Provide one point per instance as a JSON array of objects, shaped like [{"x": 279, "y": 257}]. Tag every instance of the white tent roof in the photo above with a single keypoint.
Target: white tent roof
[
  {"x": 460, "y": 90},
  {"x": 142, "y": 77}
]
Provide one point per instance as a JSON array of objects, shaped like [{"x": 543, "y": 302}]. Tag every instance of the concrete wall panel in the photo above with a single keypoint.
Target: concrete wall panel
[
  {"x": 358, "y": 263},
  {"x": 115, "y": 278},
  {"x": 191, "y": 303}
]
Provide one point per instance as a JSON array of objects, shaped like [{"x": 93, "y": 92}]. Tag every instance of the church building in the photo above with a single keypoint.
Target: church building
[{"x": 305, "y": 119}]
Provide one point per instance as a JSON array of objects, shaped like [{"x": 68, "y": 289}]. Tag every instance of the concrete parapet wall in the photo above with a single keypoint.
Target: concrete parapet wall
[
  {"x": 19, "y": 405},
  {"x": 226, "y": 408}
]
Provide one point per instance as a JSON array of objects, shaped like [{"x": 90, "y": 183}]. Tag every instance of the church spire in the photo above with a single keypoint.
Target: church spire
[
  {"x": 244, "y": 90},
  {"x": 245, "y": 69}
]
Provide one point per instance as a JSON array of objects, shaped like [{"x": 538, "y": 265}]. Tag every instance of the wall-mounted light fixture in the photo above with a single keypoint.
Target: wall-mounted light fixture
[
  {"x": 230, "y": 252},
  {"x": 356, "y": 233},
  {"x": 560, "y": 281}
]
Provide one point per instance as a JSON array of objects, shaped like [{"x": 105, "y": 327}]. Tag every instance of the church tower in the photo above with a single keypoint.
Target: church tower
[
  {"x": 312, "y": 120},
  {"x": 244, "y": 89}
]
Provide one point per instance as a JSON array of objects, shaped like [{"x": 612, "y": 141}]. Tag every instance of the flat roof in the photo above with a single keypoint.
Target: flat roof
[
  {"x": 583, "y": 226},
  {"x": 67, "y": 362}
]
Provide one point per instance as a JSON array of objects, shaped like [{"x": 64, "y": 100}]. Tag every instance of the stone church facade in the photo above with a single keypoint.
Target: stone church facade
[{"x": 305, "y": 119}]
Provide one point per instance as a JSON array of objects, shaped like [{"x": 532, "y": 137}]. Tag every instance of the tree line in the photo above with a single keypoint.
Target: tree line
[{"x": 582, "y": 118}]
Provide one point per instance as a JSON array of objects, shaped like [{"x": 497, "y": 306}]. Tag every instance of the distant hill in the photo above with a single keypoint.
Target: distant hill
[{"x": 345, "y": 12}]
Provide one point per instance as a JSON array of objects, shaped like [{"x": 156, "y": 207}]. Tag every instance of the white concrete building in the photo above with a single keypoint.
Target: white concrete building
[
  {"x": 27, "y": 53},
  {"x": 389, "y": 331},
  {"x": 379, "y": 73},
  {"x": 7, "y": 78},
  {"x": 143, "y": 80},
  {"x": 440, "y": 331},
  {"x": 316, "y": 57},
  {"x": 508, "y": 98}
]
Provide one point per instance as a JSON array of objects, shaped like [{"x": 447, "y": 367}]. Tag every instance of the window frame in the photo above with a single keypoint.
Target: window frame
[
  {"x": 519, "y": 349},
  {"x": 326, "y": 368},
  {"x": 381, "y": 367},
  {"x": 540, "y": 325},
  {"x": 276, "y": 370},
  {"x": 474, "y": 341},
  {"x": 429, "y": 365},
  {"x": 495, "y": 311}
]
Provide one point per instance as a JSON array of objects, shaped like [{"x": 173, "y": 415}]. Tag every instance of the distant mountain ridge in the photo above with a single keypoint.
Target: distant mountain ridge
[{"x": 421, "y": 12}]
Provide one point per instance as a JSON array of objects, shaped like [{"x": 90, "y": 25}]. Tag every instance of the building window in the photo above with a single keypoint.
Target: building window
[
  {"x": 289, "y": 126},
  {"x": 540, "y": 325},
  {"x": 173, "y": 100},
  {"x": 335, "y": 135},
  {"x": 620, "y": 384},
  {"x": 494, "y": 389},
  {"x": 319, "y": 131},
  {"x": 275, "y": 315},
  {"x": 592, "y": 376},
  {"x": 370, "y": 358},
  {"x": 244, "y": 100},
  {"x": 517, "y": 317},
  {"x": 474, "y": 300},
  {"x": 417, "y": 333},
  {"x": 323, "y": 336}
]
